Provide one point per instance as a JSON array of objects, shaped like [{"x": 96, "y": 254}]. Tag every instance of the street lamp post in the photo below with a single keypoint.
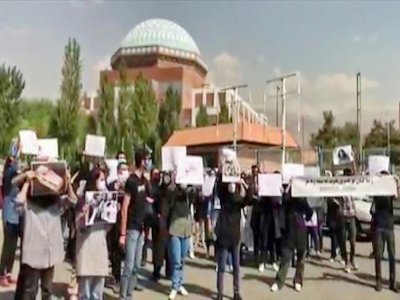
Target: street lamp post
[{"x": 282, "y": 79}]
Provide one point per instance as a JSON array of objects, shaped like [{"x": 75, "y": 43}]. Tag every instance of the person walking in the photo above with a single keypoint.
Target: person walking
[{"x": 383, "y": 232}]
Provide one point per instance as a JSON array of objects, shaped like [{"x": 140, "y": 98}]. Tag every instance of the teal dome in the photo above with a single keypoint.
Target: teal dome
[{"x": 160, "y": 32}]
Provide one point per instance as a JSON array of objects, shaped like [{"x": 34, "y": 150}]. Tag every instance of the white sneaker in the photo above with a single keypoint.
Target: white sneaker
[
  {"x": 347, "y": 269},
  {"x": 230, "y": 269},
  {"x": 297, "y": 287},
  {"x": 274, "y": 288},
  {"x": 261, "y": 268},
  {"x": 183, "y": 291},
  {"x": 191, "y": 255},
  {"x": 342, "y": 263},
  {"x": 331, "y": 260},
  {"x": 275, "y": 267},
  {"x": 172, "y": 295}
]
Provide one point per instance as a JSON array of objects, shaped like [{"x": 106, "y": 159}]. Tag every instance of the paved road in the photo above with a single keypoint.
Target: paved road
[{"x": 323, "y": 280}]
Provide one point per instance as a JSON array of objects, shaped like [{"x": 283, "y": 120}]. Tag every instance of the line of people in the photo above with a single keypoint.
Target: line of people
[{"x": 280, "y": 228}]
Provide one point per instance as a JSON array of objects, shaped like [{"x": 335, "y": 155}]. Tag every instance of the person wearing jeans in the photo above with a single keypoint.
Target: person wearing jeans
[
  {"x": 348, "y": 232},
  {"x": 133, "y": 216},
  {"x": 180, "y": 230},
  {"x": 383, "y": 232}
]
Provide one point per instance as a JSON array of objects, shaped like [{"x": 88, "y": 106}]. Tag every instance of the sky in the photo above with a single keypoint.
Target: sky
[{"x": 241, "y": 42}]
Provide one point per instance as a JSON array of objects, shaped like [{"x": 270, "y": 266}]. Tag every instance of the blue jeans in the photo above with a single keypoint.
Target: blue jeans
[
  {"x": 133, "y": 258},
  {"x": 91, "y": 287},
  {"x": 178, "y": 248}
]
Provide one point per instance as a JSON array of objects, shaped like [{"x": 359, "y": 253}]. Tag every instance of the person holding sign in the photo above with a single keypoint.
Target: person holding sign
[
  {"x": 383, "y": 232},
  {"x": 233, "y": 197},
  {"x": 133, "y": 216},
  {"x": 91, "y": 269},
  {"x": 294, "y": 238},
  {"x": 42, "y": 242}
]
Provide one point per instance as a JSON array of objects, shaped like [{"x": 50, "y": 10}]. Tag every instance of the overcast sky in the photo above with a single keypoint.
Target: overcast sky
[{"x": 241, "y": 42}]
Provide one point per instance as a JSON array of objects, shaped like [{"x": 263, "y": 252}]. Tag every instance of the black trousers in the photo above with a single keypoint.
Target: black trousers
[
  {"x": 291, "y": 244},
  {"x": 380, "y": 236},
  {"x": 115, "y": 252},
  {"x": 31, "y": 278},
  {"x": 11, "y": 234}
]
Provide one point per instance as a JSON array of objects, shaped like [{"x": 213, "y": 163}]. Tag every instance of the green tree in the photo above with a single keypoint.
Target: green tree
[
  {"x": 11, "y": 86},
  {"x": 202, "y": 119},
  {"x": 348, "y": 134},
  {"x": 223, "y": 117},
  {"x": 65, "y": 122},
  {"x": 169, "y": 115},
  {"x": 107, "y": 118},
  {"x": 327, "y": 135},
  {"x": 36, "y": 115}
]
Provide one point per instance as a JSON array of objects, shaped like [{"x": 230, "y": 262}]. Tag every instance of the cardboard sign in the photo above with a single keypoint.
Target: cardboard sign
[
  {"x": 48, "y": 148},
  {"x": 208, "y": 185},
  {"x": 103, "y": 207},
  {"x": 50, "y": 178},
  {"x": 28, "y": 142},
  {"x": 230, "y": 166},
  {"x": 355, "y": 186},
  {"x": 290, "y": 171},
  {"x": 95, "y": 145},
  {"x": 270, "y": 185},
  {"x": 190, "y": 171},
  {"x": 171, "y": 156},
  {"x": 377, "y": 164},
  {"x": 343, "y": 155}
]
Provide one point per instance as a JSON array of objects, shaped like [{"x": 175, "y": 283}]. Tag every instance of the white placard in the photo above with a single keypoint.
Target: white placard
[
  {"x": 270, "y": 185},
  {"x": 28, "y": 142},
  {"x": 170, "y": 157},
  {"x": 48, "y": 148},
  {"x": 190, "y": 171},
  {"x": 377, "y": 164},
  {"x": 208, "y": 185},
  {"x": 112, "y": 165},
  {"x": 355, "y": 186},
  {"x": 95, "y": 145},
  {"x": 291, "y": 170},
  {"x": 312, "y": 172},
  {"x": 230, "y": 166},
  {"x": 343, "y": 155}
]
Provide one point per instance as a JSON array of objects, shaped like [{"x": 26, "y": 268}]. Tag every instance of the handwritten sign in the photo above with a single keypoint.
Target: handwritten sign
[
  {"x": 208, "y": 185},
  {"x": 230, "y": 166},
  {"x": 377, "y": 164},
  {"x": 171, "y": 156},
  {"x": 28, "y": 142},
  {"x": 355, "y": 186},
  {"x": 291, "y": 170},
  {"x": 95, "y": 145},
  {"x": 48, "y": 148}
]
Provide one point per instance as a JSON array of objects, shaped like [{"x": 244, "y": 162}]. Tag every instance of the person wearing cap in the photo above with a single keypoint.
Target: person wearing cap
[{"x": 383, "y": 232}]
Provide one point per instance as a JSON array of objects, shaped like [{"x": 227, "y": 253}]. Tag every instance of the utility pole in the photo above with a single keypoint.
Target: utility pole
[
  {"x": 298, "y": 110},
  {"x": 360, "y": 148},
  {"x": 235, "y": 111},
  {"x": 282, "y": 79},
  {"x": 277, "y": 106}
]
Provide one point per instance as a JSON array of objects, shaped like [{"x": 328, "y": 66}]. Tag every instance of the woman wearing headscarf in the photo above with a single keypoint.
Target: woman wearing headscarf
[
  {"x": 233, "y": 197},
  {"x": 297, "y": 211}
]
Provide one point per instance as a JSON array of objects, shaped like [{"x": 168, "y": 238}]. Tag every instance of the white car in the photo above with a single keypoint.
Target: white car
[{"x": 363, "y": 216}]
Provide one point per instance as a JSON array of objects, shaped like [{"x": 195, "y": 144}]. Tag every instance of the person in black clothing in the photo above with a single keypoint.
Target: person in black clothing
[
  {"x": 256, "y": 223},
  {"x": 133, "y": 216},
  {"x": 294, "y": 238},
  {"x": 383, "y": 232},
  {"x": 159, "y": 229},
  {"x": 233, "y": 198},
  {"x": 335, "y": 224}
]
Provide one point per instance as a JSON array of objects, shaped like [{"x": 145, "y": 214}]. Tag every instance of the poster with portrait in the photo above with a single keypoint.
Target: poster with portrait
[
  {"x": 50, "y": 178},
  {"x": 230, "y": 166},
  {"x": 190, "y": 171},
  {"x": 343, "y": 155},
  {"x": 170, "y": 157},
  {"x": 102, "y": 207}
]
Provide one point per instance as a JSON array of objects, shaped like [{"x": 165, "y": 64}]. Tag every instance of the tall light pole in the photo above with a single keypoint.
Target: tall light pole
[
  {"x": 235, "y": 111},
  {"x": 358, "y": 89},
  {"x": 298, "y": 111},
  {"x": 282, "y": 79},
  {"x": 277, "y": 106}
]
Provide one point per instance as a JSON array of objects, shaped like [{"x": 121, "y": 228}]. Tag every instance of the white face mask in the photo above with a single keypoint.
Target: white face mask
[
  {"x": 123, "y": 177},
  {"x": 231, "y": 187},
  {"x": 101, "y": 185},
  {"x": 167, "y": 180}
]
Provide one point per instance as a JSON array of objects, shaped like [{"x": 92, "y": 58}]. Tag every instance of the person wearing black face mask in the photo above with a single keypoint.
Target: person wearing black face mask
[{"x": 160, "y": 230}]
